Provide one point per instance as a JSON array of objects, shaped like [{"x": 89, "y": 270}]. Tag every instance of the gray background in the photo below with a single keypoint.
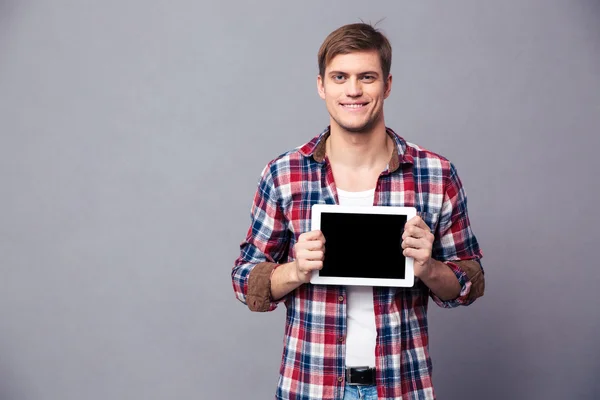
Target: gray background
[{"x": 132, "y": 135}]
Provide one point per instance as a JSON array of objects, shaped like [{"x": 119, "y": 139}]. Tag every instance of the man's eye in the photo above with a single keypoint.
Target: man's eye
[
  {"x": 338, "y": 77},
  {"x": 368, "y": 78}
]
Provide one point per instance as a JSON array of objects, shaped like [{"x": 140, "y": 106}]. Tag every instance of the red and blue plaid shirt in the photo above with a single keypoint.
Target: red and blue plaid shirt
[{"x": 313, "y": 361}]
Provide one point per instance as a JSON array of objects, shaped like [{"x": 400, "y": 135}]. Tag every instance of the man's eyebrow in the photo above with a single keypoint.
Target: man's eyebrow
[
  {"x": 360, "y": 73},
  {"x": 369, "y": 73}
]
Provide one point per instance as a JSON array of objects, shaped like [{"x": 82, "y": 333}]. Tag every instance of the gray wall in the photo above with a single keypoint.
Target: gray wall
[{"x": 132, "y": 135}]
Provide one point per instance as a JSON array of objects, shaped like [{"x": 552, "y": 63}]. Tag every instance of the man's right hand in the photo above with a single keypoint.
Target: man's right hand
[{"x": 310, "y": 252}]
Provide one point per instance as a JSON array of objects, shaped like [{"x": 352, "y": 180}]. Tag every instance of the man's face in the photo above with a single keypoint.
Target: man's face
[{"x": 354, "y": 88}]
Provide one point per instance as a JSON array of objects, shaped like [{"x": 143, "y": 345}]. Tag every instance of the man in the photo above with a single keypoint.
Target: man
[{"x": 342, "y": 341}]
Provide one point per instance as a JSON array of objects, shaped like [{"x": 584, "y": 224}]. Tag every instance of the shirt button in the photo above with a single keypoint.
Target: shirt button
[
  {"x": 341, "y": 298},
  {"x": 340, "y": 379},
  {"x": 341, "y": 339}
]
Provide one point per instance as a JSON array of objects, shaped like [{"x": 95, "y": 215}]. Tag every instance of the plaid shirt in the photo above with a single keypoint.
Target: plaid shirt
[{"x": 313, "y": 361}]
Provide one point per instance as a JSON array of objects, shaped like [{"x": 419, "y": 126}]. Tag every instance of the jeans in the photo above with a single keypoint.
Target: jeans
[{"x": 355, "y": 392}]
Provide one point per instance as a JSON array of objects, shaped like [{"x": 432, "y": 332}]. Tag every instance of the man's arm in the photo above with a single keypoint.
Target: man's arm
[
  {"x": 456, "y": 246},
  {"x": 284, "y": 280},
  {"x": 417, "y": 242},
  {"x": 265, "y": 246},
  {"x": 458, "y": 278},
  {"x": 260, "y": 278},
  {"x": 441, "y": 280}
]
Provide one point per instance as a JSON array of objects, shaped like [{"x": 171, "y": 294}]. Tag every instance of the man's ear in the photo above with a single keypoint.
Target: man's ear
[
  {"x": 388, "y": 86},
  {"x": 320, "y": 86}
]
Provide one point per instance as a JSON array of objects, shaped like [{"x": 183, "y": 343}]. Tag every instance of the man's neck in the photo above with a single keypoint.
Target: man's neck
[{"x": 359, "y": 150}]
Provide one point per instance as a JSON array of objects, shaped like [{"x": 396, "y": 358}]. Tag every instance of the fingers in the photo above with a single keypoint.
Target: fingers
[
  {"x": 310, "y": 255},
  {"x": 414, "y": 243},
  {"x": 418, "y": 222},
  {"x": 417, "y": 228},
  {"x": 311, "y": 245},
  {"x": 417, "y": 243},
  {"x": 312, "y": 235},
  {"x": 420, "y": 255},
  {"x": 305, "y": 268},
  {"x": 418, "y": 248},
  {"x": 410, "y": 252},
  {"x": 309, "y": 266}
]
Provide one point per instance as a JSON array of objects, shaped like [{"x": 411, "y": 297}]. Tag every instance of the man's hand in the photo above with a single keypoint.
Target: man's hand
[
  {"x": 417, "y": 242},
  {"x": 310, "y": 252}
]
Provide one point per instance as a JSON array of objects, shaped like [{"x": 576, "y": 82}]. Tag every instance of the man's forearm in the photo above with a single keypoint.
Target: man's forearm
[
  {"x": 284, "y": 280},
  {"x": 441, "y": 281}
]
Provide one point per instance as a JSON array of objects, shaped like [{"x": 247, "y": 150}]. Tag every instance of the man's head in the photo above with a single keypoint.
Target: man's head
[
  {"x": 354, "y": 76},
  {"x": 355, "y": 38}
]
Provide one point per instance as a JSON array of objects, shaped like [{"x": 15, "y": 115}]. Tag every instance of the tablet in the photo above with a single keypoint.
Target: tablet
[{"x": 363, "y": 245}]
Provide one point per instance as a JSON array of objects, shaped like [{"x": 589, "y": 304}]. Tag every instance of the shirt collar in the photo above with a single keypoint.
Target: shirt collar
[{"x": 403, "y": 155}]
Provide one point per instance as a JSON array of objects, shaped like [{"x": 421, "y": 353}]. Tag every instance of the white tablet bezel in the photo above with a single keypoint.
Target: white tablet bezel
[{"x": 408, "y": 281}]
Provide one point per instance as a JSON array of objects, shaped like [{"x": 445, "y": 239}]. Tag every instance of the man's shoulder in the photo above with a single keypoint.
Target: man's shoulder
[
  {"x": 285, "y": 161},
  {"x": 296, "y": 157},
  {"x": 289, "y": 156},
  {"x": 423, "y": 156}
]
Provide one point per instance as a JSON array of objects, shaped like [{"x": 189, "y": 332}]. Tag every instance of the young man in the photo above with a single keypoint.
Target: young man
[{"x": 342, "y": 341}]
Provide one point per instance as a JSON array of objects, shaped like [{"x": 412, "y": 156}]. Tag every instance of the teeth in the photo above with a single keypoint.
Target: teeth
[{"x": 353, "y": 105}]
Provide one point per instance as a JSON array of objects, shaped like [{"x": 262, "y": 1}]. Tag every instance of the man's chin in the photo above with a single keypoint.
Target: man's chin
[{"x": 358, "y": 128}]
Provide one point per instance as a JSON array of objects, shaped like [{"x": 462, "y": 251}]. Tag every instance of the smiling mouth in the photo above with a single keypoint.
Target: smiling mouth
[{"x": 354, "y": 106}]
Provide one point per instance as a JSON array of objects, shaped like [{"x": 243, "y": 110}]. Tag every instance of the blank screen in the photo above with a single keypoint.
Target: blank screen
[{"x": 363, "y": 245}]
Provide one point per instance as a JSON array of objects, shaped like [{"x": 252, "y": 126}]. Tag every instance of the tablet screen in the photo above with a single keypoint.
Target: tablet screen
[{"x": 363, "y": 245}]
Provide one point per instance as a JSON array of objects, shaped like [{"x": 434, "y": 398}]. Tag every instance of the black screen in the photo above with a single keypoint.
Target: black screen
[{"x": 363, "y": 245}]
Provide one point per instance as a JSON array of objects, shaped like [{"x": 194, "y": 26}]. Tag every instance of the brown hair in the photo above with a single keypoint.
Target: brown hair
[{"x": 355, "y": 37}]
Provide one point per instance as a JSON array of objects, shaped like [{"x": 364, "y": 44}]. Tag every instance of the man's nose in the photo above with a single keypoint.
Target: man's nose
[{"x": 353, "y": 88}]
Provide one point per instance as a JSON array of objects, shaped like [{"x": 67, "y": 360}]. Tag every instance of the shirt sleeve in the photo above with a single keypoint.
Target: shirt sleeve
[
  {"x": 456, "y": 245},
  {"x": 265, "y": 247}
]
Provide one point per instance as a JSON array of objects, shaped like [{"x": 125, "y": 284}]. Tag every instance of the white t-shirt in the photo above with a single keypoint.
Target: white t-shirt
[{"x": 360, "y": 312}]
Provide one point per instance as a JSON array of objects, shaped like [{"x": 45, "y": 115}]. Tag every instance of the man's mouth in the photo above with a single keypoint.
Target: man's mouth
[{"x": 353, "y": 106}]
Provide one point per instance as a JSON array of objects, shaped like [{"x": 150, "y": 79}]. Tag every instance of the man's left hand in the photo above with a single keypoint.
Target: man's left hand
[{"x": 417, "y": 242}]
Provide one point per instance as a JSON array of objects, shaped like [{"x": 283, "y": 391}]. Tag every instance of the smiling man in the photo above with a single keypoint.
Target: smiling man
[{"x": 356, "y": 342}]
